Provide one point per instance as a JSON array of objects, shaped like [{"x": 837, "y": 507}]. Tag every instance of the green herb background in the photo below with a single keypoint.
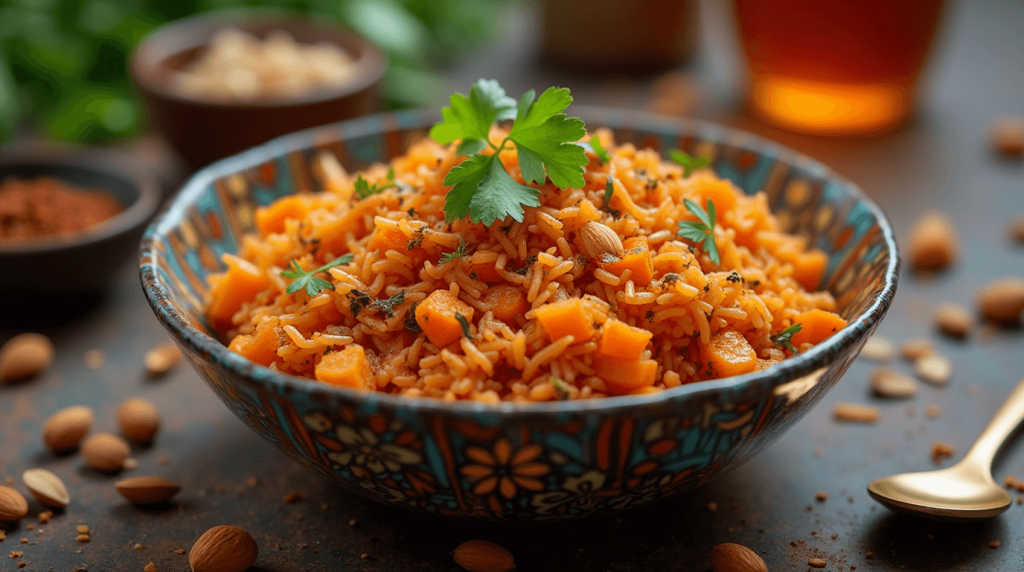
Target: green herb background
[{"x": 63, "y": 63}]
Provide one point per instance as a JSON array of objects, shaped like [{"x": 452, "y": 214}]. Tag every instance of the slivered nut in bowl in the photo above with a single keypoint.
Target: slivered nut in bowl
[{"x": 498, "y": 324}]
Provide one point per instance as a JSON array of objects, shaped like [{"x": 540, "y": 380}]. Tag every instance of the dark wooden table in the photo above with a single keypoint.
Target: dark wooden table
[{"x": 941, "y": 160}]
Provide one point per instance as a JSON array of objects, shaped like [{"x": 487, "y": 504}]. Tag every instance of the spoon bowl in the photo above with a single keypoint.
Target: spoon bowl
[{"x": 959, "y": 493}]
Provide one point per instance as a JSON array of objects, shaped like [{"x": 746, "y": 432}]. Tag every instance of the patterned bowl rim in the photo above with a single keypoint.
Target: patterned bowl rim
[{"x": 791, "y": 369}]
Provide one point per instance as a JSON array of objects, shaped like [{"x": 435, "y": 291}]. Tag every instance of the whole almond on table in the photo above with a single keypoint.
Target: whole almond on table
[
  {"x": 597, "y": 240},
  {"x": 223, "y": 549},
  {"x": 888, "y": 383},
  {"x": 483, "y": 556},
  {"x": 933, "y": 243},
  {"x": 105, "y": 452},
  {"x": 731, "y": 557},
  {"x": 147, "y": 489},
  {"x": 1008, "y": 136},
  {"x": 916, "y": 349},
  {"x": 1002, "y": 301},
  {"x": 47, "y": 487},
  {"x": 954, "y": 320},
  {"x": 877, "y": 348},
  {"x": 13, "y": 506},
  {"x": 935, "y": 368},
  {"x": 25, "y": 356},
  {"x": 162, "y": 359},
  {"x": 65, "y": 429},
  {"x": 139, "y": 420},
  {"x": 855, "y": 412}
]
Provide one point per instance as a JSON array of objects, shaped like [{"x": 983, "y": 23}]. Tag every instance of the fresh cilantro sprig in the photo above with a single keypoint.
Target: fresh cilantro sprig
[
  {"x": 688, "y": 162},
  {"x": 785, "y": 337},
  {"x": 595, "y": 143},
  {"x": 364, "y": 189},
  {"x": 313, "y": 284},
  {"x": 701, "y": 230},
  {"x": 464, "y": 324},
  {"x": 609, "y": 190},
  {"x": 459, "y": 252},
  {"x": 544, "y": 139}
]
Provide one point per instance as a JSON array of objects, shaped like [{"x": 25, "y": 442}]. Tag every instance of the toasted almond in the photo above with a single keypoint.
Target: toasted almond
[
  {"x": 817, "y": 563},
  {"x": 855, "y": 412},
  {"x": 105, "y": 452},
  {"x": 942, "y": 450},
  {"x": 65, "y": 429},
  {"x": 878, "y": 348},
  {"x": 483, "y": 556},
  {"x": 25, "y": 356},
  {"x": 139, "y": 420},
  {"x": 597, "y": 240},
  {"x": 954, "y": 320},
  {"x": 94, "y": 359},
  {"x": 13, "y": 506},
  {"x": 935, "y": 368},
  {"x": 888, "y": 383},
  {"x": 147, "y": 489},
  {"x": 150, "y": 568},
  {"x": 916, "y": 349},
  {"x": 731, "y": 557},
  {"x": 933, "y": 243},
  {"x": 1017, "y": 230},
  {"x": 223, "y": 549},
  {"x": 1008, "y": 136},
  {"x": 1002, "y": 301},
  {"x": 932, "y": 411},
  {"x": 47, "y": 487},
  {"x": 162, "y": 359}
]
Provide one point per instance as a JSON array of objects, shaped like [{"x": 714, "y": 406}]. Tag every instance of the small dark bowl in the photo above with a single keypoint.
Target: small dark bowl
[
  {"x": 85, "y": 261},
  {"x": 203, "y": 130}
]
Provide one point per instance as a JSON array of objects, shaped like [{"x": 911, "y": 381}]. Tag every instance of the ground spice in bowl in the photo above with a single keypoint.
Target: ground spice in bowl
[{"x": 45, "y": 207}]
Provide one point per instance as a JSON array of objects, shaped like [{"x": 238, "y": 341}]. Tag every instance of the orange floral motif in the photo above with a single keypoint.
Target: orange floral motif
[{"x": 504, "y": 470}]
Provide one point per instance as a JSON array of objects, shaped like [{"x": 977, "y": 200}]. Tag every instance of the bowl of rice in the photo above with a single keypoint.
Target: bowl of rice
[{"x": 593, "y": 356}]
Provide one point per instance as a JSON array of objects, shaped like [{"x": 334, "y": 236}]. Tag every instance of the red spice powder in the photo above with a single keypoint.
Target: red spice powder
[{"x": 41, "y": 207}]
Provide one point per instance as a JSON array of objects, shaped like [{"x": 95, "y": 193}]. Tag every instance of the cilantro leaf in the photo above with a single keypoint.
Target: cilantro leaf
[
  {"x": 545, "y": 140},
  {"x": 499, "y": 195},
  {"x": 609, "y": 191},
  {"x": 785, "y": 337},
  {"x": 701, "y": 231},
  {"x": 363, "y": 189},
  {"x": 595, "y": 143},
  {"x": 466, "y": 178},
  {"x": 312, "y": 284},
  {"x": 470, "y": 146},
  {"x": 688, "y": 162},
  {"x": 471, "y": 117}
]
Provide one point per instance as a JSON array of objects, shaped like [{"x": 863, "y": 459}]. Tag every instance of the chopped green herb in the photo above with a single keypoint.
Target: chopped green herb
[
  {"x": 603, "y": 155},
  {"x": 784, "y": 338},
  {"x": 359, "y": 301},
  {"x": 364, "y": 189},
  {"x": 411, "y": 324},
  {"x": 701, "y": 230},
  {"x": 457, "y": 253},
  {"x": 688, "y": 162},
  {"x": 308, "y": 280},
  {"x": 545, "y": 141},
  {"x": 387, "y": 305},
  {"x": 561, "y": 390},
  {"x": 464, "y": 324},
  {"x": 609, "y": 190}
]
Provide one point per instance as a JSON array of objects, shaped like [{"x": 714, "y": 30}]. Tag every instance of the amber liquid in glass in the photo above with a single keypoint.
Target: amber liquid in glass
[{"x": 835, "y": 67}]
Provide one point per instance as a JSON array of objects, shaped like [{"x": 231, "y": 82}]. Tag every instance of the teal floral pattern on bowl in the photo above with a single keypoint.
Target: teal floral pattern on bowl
[{"x": 518, "y": 462}]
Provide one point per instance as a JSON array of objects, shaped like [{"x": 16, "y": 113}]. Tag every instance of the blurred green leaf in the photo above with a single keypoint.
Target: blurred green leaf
[
  {"x": 388, "y": 24},
  {"x": 9, "y": 106}
]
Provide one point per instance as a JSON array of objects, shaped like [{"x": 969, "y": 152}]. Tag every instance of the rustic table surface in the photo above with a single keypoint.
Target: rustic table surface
[{"x": 229, "y": 475}]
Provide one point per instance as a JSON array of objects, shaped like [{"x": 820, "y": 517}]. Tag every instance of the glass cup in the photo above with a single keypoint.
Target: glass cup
[{"x": 833, "y": 67}]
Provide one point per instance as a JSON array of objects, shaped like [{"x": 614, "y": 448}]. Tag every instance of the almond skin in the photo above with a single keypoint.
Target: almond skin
[
  {"x": 162, "y": 359},
  {"x": 597, "y": 240},
  {"x": 933, "y": 243},
  {"x": 223, "y": 549},
  {"x": 105, "y": 452},
  {"x": 139, "y": 420},
  {"x": 13, "y": 506},
  {"x": 483, "y": 556},
  {"x": 65, "y": 429},
  {"x": 1002, "y": 301},
  {"x": 25, "y": 356},
  {"x": 47, "y": 487},
  {"x": 731, "y": 557},
  {"x": 147, "y": 489}
]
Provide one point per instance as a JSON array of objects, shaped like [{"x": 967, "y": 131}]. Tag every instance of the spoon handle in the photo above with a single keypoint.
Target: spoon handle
[{"x": 1005, "y": 422}]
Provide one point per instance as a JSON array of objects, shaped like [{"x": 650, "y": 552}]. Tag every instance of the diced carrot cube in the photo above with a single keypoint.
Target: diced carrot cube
[
  {"x": 436, "y": 317},
  {"x": 261, "y": 347},
  {"x": 385, "y": 238},
  {"x": 271, "y": 218},
  {"x": 729, "y": 353},
  {"x": 485, "y": 272},
  {"x": 637, "y": 259},
  {"x": 816, "y": 326},
  {"x": 241, "y": 283},
  {"x": 809, "y": 267},
  {"x": 623, "y": 341},
  {"x": 506, "y": 302},
  {"x": 720, "y": 192},
  {"x": 566, "y": 318},
  {"x": 623, "y": 376},
  {"x": 347, "y": 368}
]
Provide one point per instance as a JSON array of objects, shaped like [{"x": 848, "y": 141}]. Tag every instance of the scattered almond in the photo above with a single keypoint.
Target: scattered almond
[
  {"x": 25, "y": 356},
  {"x": 162, "y": 359},
  {"x": 94, "y": 359},
  {"x": 821, "y": 496},
  {"x": 1002, "y": 301},
  {"x": 933, "y": 243},
  {"x": 483, "y": 556},
  {"x": 816, "y": 563},
  {"x": 65, "y": 429},
  {"x": 888, "y": 383},
  {"x": 916, "y": 349},
  {"x": 139, "y": 420},
  {"x": 105, "y": 452},
  {"x": 941, "y": 450},
  {"x": 147, "y": 489},
  {"x": 878, "y": 348},
  {"x": 954, "y": 320},
  {"x": 597, "y": 240},
  {"x": 932, "y": 411},
  {"x": 149, "y": 568},
  {"x": 1017, "y": 230},
  {"x": 223, "y": 549},
  {"x": 83, "y": 538},
  {"x": 13, "y": 506},
  {"x": 47, "y": 487},
  {"x": 935, "y": 368},
  {"x": 731, "y": 557},
  {"x": 855, "y": 412},
  {"x": 1008, "y": 136},
  {"x": 994, "y": 544}
]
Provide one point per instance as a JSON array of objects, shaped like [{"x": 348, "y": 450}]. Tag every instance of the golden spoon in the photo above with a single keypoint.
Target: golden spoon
[{"x": 965, "y": 491}]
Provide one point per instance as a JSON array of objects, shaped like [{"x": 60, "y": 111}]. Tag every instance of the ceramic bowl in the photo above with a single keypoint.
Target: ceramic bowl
[{"x": 519, "y": 462}]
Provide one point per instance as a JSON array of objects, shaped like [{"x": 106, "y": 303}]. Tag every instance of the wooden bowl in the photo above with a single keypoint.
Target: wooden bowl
[{"x": 204, "y": 130}]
